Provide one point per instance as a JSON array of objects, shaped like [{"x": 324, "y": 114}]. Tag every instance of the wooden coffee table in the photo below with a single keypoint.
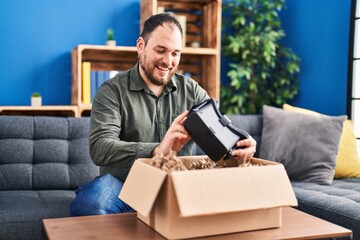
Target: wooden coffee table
[{"x": 296, "y": 225}]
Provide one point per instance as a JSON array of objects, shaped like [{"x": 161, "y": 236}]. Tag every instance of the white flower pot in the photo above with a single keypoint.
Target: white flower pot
[
  {"x": 36, "y": 101},
  {"x": 111, "y": 43}
]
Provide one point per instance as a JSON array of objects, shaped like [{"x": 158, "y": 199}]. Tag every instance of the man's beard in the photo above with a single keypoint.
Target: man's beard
[{"x": 150, "y": 74}]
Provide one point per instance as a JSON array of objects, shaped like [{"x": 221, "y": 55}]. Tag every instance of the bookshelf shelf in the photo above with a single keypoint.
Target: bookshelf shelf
[
  {"x": 101, "y": 58},
  {"x": 64, "y": 111}
]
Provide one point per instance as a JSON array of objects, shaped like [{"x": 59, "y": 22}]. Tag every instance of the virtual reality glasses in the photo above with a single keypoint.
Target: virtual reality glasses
[{"x": 212, "y": 131}]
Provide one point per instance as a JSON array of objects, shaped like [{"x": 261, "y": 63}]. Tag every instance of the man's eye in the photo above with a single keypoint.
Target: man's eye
[
  {"x": 160, "y": 51},
  {"x": 176, "y": 54}
]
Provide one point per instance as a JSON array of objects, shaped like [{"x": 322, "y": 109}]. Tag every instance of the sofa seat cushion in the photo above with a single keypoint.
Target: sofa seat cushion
[
  {"x": 338, "y": 203},
  {"x": 23, "y": 211}
]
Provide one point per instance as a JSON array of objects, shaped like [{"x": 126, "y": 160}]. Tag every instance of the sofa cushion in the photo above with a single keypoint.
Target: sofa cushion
[
  {"x": 307, "y": 145},
  {"x": 347, "y": 161},
  {"x": 41, "y": 153},
  {"x": 338, "y": 203}
]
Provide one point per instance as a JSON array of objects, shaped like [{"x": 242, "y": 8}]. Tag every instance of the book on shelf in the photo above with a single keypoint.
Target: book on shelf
[
  {"x": 98, "y": 77},
  {"x": 182, "y": 21},
  {"x": 93, "y": 84},
  {"x": 86, "y": 81}
]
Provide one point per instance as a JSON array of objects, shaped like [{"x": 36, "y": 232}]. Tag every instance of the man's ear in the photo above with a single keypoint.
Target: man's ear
[{"x": 140, "y": 44}]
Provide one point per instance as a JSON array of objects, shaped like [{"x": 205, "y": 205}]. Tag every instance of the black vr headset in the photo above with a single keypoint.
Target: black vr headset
[{"x": 211, "y": 131}]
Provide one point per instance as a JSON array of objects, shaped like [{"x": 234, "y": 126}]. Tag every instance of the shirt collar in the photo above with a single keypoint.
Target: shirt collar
[{"x": 136, "y": 83}]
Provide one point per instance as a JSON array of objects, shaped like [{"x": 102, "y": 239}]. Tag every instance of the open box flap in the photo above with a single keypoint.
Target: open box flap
[
  {"x": 215, "y": 191},
  {"x": 148, "y": 180}
]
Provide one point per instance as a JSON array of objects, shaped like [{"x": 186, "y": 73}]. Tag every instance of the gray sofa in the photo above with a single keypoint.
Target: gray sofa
[{"x": 42, "y": 161}]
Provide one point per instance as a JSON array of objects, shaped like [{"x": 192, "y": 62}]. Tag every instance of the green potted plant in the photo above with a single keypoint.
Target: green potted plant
[
  {"x": 110, "y": 40},
  {"x": 36, "y": 99},
  {"x": 261, "y": 70}
]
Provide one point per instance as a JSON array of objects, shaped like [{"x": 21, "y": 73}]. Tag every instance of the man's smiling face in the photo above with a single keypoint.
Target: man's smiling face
[{"x": 160, "y": 57}]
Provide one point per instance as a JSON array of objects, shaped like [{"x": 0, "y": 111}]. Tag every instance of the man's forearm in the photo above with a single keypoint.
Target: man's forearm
[{"x": 106, "y": 152}]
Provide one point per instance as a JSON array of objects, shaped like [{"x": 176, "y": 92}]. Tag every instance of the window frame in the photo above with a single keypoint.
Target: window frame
[{"x": 353, "y": 77}]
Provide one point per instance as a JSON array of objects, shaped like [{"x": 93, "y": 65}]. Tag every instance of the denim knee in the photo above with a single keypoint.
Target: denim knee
[{"x": 99, "y": 197}]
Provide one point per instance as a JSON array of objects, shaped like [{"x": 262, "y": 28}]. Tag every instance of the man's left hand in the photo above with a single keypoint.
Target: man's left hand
[{"x": 246, "y": 150}]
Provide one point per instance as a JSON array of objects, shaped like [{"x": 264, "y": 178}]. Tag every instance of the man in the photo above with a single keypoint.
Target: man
[{"x": 140, "y": 113}]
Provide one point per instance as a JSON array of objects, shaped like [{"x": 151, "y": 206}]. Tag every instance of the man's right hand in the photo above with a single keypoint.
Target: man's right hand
[{"x": 175, "y": 138}]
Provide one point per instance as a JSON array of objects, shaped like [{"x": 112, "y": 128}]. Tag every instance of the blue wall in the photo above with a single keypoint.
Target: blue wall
[
  {"x": 37, "y": 37},
  {"x": 318, "y": 31}
]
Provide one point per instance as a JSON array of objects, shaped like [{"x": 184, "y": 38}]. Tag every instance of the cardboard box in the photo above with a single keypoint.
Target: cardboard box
[{"x": 195, "y": 203}]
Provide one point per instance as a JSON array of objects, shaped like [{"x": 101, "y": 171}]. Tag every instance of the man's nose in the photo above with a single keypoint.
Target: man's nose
[{"x": 168, "y": 59}]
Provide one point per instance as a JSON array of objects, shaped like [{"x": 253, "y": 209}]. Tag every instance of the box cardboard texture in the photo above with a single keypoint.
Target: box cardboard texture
[{"x": 195, "y": 203}]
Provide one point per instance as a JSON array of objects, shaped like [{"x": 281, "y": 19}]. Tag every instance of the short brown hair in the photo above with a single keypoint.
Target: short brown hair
[{"x": 158, "y": 20}]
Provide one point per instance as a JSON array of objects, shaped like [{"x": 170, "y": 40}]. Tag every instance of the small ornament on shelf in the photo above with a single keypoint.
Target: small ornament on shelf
[
  {"x": 110, "y": 41},
  {"x": 160, "y": 9},
  {"x": 36, "y": 99},
  {"x": 195, "y": 44}
]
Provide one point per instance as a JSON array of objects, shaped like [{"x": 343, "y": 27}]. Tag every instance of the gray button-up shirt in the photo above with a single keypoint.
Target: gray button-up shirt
[{"x": 128, "y": 120}]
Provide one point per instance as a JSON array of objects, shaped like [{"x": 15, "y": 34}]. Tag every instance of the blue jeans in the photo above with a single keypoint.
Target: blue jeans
[{"x": 100, "y": 196}]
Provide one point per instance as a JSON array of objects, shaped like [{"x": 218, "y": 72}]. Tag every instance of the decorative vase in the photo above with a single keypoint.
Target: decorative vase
[
  {"x": 36, "y": 101},
  {"x": 111, "y": 43}
]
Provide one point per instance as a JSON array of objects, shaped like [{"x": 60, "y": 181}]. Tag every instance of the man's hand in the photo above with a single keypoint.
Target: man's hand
[
  {"x": 176, "y": 136},
  {"x": 246, "y": 150}
]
